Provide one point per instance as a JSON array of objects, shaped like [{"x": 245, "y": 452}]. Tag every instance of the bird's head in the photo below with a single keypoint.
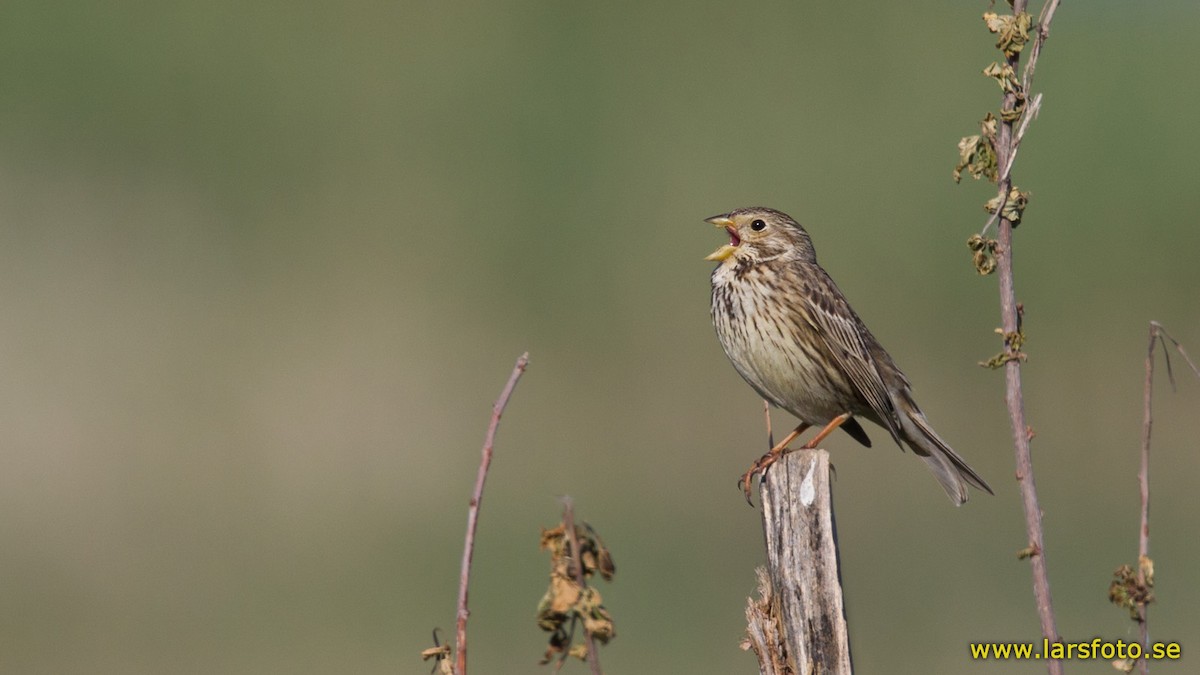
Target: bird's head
[{"x": 758, "y": 234}]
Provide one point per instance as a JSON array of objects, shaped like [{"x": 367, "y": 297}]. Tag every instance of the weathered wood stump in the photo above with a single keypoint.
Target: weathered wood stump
[{"x": 798, "y": 624}]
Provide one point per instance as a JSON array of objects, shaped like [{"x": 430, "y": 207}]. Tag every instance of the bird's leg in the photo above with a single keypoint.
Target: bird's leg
[
  {"x": 767, "y": 415},
  {"x": 829, "y": 429},
  {"x": 770, "y": 458}
]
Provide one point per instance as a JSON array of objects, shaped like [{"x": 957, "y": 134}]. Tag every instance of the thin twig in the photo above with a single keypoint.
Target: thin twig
[
  {"x": 1010, "y": 318},
  {"x": 1031, "y": 111},
  {"x": 1005, "y": 185},
  {"x": 593, "y": 657},
  {"x": 1002, "y": 195},
  {"x": 1035, "y": 102},
  {"x": 1043, "y": 31},
  {"x": 562, "y": 660},
  {"x": 1144, "y": 483},
  {"x": 464, "y": 578},
  {"x": 1162, "y": 331},
  {"x": 1158, "y": 335}
]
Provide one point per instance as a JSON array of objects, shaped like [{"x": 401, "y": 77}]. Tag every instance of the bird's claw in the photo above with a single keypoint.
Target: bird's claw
[
  {"x": 744, "y": 481},
  {"x": 758, "y": 467}
]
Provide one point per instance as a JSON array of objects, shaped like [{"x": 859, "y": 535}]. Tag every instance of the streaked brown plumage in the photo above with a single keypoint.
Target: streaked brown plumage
[{"x": 792, "y": 336}]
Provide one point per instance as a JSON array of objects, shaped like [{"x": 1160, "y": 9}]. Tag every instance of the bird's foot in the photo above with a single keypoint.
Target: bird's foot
[
  {"x": 768, "y": 459},
  {"x": 764, "y": 462},
  {"x": 759, "y": 466}
]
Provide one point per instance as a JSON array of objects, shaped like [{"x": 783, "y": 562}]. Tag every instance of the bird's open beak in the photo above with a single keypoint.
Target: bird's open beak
[{"x": 734, "y": 240}]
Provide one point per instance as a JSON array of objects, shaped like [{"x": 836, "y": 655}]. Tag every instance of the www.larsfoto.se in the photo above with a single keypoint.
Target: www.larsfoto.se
[{"x": 1093, "y": 649}]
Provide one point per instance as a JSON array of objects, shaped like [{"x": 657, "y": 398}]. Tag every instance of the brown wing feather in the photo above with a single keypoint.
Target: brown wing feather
[{"x": 842, "y": 331}]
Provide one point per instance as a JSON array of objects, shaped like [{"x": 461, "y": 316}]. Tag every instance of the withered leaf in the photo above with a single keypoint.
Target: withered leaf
[
  {"x": 1014, "y": 205},
  {"x": 1012, "y": 31},
  {"x": 566, "y": 601}
]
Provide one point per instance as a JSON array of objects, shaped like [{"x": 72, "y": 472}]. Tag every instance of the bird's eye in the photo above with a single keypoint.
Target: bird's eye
[{"x": 758, "y": 225}]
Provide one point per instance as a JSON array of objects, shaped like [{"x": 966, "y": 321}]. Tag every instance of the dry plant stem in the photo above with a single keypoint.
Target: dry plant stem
[
  {"x": 1016, "y": 412},
  {"x": 1010, "y": 320},
  {"x": 1144, "y": 483},
  {"x": 593, "y": 658},
  {"x": 1158, "y": 334},
  {"x": 1005, "y": 162},
  {"x": 1045, "y": 18},
  {"x": 460, "y": 648},
  {"x": 1035, "y": 101}
]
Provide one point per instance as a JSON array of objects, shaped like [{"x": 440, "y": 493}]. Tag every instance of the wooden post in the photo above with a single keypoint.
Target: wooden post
[{"x": 799, "y": 623}]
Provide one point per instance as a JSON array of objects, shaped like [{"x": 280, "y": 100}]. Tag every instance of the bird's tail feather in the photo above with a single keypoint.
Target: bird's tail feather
[{"x": 947, "y": 466}]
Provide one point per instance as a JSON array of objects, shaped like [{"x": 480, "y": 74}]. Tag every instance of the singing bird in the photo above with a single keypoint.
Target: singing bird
[{"x": 791, "y": 334}]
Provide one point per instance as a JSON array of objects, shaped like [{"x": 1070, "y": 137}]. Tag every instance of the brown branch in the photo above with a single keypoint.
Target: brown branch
[
  {"x": 460, "y": 666},
  {"x": 593, "y": 657},
  {"x": 1006, "y": 148},
  {"x": 1013, "y": 144},
  {"x": 1031, "y": 112},
  {"x": 1162, "y": 332},
  {"x": 1158, "y": 335},
  {"x": 1144, "y": 484},
  {"x": 1043, "y": 31}
]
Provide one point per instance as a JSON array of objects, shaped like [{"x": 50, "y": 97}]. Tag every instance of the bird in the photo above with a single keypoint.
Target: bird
[{"x": 793, "y": 337}]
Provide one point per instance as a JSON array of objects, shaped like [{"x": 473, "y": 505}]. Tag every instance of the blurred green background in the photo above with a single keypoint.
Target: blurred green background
[{"x": 265, "y": 266}]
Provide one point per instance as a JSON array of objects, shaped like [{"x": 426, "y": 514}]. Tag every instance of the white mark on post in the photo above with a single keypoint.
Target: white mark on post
[{"x": 808, "y": 491}]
